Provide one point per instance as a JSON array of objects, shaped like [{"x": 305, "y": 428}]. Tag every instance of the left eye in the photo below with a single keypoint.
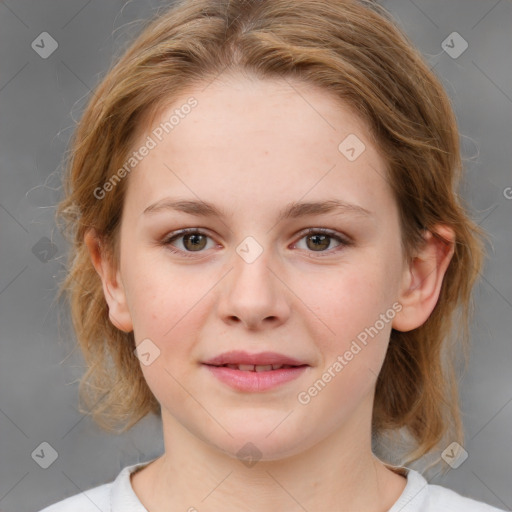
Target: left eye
[
  {"x": 320, "y": 238},
  {"x": 194, "y": 240}
]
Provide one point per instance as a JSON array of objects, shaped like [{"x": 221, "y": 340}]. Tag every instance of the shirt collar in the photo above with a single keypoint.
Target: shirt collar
[
  {"x": 122, "y": 495},
  {"x": 124, "y": 499},
  {"x": 414, "y": 495}
]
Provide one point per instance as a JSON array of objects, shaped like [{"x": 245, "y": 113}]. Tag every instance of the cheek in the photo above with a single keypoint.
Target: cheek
[
  {"x": 346, "y": 299},
  {"x": 169, "y": 307},
  {"x": 159, "y": 295},
  {"x": 168, "y": 314},
  {"x": 349, "y": 316}
]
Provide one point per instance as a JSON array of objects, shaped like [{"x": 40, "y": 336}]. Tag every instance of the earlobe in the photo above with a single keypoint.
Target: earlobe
[
  {"x": 423, "y": 278},
  {"x": 112, "y": 285}
]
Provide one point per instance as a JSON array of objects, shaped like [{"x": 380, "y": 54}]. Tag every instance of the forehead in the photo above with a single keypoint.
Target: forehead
[{"x": 247, "y": 140}]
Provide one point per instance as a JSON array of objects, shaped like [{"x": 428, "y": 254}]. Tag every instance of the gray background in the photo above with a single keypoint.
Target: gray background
[{"x": 41, "y": 99}]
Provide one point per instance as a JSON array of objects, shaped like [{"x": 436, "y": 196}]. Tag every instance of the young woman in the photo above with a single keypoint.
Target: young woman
[{"x": 268, "y": 252}]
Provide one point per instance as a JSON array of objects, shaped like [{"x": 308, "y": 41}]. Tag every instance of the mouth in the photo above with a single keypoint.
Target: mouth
[
  {"x": 254, "y": 373},
  {"x": 257, "y": 372},
  {"x": 257, "y": 368},
  {"x": 256, "y": 362}
]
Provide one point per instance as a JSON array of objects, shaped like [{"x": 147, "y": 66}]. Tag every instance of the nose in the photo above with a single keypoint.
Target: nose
[{"x": 254, "y": 293}]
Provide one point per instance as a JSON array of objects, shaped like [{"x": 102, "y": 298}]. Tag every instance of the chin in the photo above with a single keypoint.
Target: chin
[{"x": 256, "y": 444}]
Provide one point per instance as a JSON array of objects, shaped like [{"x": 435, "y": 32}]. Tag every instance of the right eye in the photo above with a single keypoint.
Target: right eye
[{"x": 194, "y": 240}]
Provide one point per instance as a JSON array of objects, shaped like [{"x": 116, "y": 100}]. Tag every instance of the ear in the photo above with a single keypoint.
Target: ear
[
  {"x": 112, "y": 285},
  {"x": 423, "y": 278}
]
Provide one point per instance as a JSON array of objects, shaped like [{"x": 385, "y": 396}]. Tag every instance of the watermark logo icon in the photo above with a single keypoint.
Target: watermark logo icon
[
  {"x": 44, "y": 249},
  {"x": 351, "y": 147},
  {"x": 146, "y": 351},
  {"x": 249, "y": 454},
  {"x": 249, "y": 249},
  {"x": 454, "y": 45},
  {"x": 45, "y": 455},
  {"x": 454, "y": 455},
  {"x": 44, "y": 45}
]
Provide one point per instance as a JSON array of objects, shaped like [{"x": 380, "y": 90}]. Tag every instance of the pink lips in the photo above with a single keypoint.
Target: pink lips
[
  {"x": 261, "y": 358},
  {"x": 254, "y": 381}
]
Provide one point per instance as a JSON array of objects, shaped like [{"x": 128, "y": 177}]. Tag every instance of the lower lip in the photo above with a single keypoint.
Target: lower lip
[{"x": 255, "y": 381}]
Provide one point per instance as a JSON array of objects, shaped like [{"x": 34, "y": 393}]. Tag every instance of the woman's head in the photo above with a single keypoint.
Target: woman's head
[{"x": 253, "y": 107}]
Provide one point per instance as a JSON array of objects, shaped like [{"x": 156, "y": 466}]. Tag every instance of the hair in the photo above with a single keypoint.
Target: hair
[{"x": 354, "y": 51}]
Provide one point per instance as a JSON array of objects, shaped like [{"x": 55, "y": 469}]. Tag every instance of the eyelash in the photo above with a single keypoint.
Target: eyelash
[{"x": 345, "y": 242}]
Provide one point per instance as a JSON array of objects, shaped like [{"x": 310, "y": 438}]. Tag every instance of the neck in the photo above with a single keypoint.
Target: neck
[{"x": 339, "y": 473}]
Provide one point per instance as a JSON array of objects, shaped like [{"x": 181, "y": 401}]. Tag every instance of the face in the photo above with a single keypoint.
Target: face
[{"x": 253, "y": 281}]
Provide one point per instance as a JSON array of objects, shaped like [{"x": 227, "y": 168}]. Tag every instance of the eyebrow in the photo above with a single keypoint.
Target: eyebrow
[{"x": 291, "y": 211}]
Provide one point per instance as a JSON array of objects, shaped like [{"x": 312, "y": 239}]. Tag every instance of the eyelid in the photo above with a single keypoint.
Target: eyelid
[{"x": 325, "y": 231}]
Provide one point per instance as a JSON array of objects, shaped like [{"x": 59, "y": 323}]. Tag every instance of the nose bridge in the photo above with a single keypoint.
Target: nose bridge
[
  {"x": 253, "y": 266},
  {"x": 253, "y": 291}
]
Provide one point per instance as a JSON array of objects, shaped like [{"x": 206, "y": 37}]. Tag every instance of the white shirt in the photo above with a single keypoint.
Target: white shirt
[{"x": 119, "y": 496}]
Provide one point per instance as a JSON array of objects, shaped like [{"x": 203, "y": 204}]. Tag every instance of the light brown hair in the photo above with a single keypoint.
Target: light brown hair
[{"x": 356, "y": 52}]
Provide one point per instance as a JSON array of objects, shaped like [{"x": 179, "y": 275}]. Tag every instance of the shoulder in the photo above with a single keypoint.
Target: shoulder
[
  {"x": 93, "y": 500},
  {"x": 442, "y": 499},
  {"x": 115, "y": 496},
  {"x": 420, "y": 496}
]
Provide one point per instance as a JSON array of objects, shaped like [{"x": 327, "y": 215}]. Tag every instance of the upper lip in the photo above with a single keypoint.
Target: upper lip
[{"x": 258, "y": 359}]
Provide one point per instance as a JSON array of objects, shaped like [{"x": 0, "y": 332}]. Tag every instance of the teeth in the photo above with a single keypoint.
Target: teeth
[
  {"x": 263, "y": 368},
  {"x": 257, "y": 368},
  {"x": 246, "y": 367}
]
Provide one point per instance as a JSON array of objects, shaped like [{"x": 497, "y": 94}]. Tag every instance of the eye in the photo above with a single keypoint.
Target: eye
[
  {"x": 194, "y": 241},
  {"x": 319, "y": 239}
]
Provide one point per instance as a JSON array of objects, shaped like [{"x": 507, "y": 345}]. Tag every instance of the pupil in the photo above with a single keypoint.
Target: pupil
[
  {"x": 194, "y": 239},
  {"x": 322, "y": 238}
]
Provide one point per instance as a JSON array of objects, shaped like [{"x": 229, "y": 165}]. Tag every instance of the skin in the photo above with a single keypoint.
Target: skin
[{"x": 250, "y": 147}]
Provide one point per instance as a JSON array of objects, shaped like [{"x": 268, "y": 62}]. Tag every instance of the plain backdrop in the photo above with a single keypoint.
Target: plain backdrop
[{"x": 40, "y": 101}]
